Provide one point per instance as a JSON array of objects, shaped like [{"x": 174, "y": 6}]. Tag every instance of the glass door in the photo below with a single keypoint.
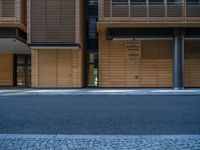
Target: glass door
[{"x": 23, "y": 70}]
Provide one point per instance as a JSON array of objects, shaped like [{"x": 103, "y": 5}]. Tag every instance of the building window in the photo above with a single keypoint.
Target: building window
[
  {"x": 92, "y": 2},
  {"x": 193, "y": 2},
  {"x": 138, "y": 2},
  {"x": 120, "y": 2},
  {"x": 174, "y": 2},
  {"x": 156, "y": 2},
  {"x": 92, "y": 28}
]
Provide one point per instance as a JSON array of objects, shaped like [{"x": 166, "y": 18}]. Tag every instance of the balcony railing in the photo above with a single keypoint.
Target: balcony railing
[{"x": 149, "y": 11}]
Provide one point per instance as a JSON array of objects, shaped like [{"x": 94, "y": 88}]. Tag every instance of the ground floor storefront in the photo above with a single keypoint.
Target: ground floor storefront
[
  {"x": 148, "y": 57},
  {"x": 146, "y": 63},
  {"x": 123, "y": 64},
  {"x": 15, "y": 70},
  {"x": 120, "y": 62}
]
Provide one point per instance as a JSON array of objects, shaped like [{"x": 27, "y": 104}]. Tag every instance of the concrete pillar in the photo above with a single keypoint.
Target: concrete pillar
[{"x": 178, "y": 63}]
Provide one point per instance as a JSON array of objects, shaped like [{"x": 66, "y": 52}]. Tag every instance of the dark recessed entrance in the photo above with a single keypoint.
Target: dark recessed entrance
[
  {"x": 22, "y": 70},
  {"x": 92, "y": 70}
]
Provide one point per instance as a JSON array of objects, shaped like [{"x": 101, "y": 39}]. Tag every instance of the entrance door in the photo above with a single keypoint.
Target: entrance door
[{"x": 22, "y": 70}]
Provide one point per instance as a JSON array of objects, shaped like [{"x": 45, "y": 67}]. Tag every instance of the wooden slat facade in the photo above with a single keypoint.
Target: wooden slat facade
[
  {"x": 134, "y": 63},
  {"x": 13, "y": 13},
  {"x": 6, "y": 69},
  {"x": 7, "y": 8},
  {"x": 192, "y": 64},
  {"x": 52, "y": 21},
  {"x": 57, "y": 22},
  {"x": 156, "y": 64},
  {"x": 56, "y": 68},
  {"x": 148, "y": 11}
]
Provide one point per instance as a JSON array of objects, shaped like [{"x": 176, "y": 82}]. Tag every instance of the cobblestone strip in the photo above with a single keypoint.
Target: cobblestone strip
[{"x": 67, "y": 142}]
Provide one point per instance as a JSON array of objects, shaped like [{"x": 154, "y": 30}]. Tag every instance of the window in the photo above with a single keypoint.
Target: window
[
  {"x": 193, "y": 2},
  {"x": 138, "y": 2},
  {"x": 92, "y": 28},
  {"x": 120, "y": 2},
  {"x": 156, "y": 2},
  {"x": 173, "y": 2}
]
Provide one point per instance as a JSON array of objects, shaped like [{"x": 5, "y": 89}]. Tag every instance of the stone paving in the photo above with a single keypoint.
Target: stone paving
[
  {"x": 96, "y": 91},
  {"x": 67, "y": 142}
]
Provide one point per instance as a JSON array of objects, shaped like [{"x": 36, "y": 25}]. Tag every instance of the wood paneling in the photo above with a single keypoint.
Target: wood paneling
[
  {"x": 134, "y": 63},
  {"x": 6, "y": 69},
  {"x": 56, "y": 68},
  {"x": 47, "y": 68},
  {"x": 64, "y": 68},
  {"x": 192, "y": 63},
  {"x": 156, "y": 64},
  {"x": 133, "y": 60},
  {"x": 165, "y": 63},
  {"x": 65, "y": 25},
  {"x": 119, "y": 63},
  {"x": 149, "y": 64}
]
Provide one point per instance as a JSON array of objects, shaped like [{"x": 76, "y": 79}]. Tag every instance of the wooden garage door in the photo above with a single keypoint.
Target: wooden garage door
[
  {"x": 64, "y": 68},
  {"x": 156, "y": 64},
  {"x": 55, "y": 68},
  {"x": 6, "y": 69},
  {"x": 192, "y": 64},
  {"x": 47, "y": 68}
]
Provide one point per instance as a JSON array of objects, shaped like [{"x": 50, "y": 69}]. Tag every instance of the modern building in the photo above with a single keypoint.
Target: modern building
[
  {"x": 15, "y": 62},
  {"x": 100, "y": 43},
  {"x": 56, "y": 36},
  {"x": 149, "y": 43}
]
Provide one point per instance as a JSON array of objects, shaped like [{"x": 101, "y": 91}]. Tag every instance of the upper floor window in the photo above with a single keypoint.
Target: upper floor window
[
  {"x": 120, "y": 2},
  {"x": 138, "y": 2},
  {"x": 174, "y": 2},
  {"x": 92, "y": 2},
  {"x": 193, "y": 2},
  {"x": 156, "y": 2}
]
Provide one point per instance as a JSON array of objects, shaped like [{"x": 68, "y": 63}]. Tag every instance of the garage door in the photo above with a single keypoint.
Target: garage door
[
  {"x": 156, "y": 64},
  {"x": 192, "y": 64}
]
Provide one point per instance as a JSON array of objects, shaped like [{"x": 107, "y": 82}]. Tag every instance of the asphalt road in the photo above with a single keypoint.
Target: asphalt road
[{"x": 124, "y": 115}]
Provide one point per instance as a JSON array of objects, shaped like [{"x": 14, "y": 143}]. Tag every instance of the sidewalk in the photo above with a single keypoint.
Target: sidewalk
[
  {"x": 88, "y": 91},
  {"x": 102, "y": 142}
]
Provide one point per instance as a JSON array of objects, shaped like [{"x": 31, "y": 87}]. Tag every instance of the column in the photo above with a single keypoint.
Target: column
[{"x": 178, "y": 63}]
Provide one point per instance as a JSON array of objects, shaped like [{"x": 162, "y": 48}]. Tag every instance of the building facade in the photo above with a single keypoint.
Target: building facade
[
  {"x": 149, "y": 43},
  {"x": 14, "y": 52},
  {"x": 100, "y": 43},
  {"x": 56, "y": 31}
]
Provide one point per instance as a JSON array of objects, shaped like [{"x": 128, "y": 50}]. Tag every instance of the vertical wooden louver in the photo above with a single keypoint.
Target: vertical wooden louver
[
  {"x": 7, "y": 8},
  {"x": 52, "y": 21}
]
